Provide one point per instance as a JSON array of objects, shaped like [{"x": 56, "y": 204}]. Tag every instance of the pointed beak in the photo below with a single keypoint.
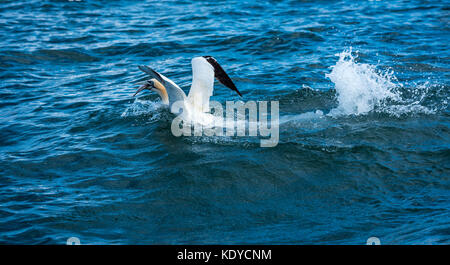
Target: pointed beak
[{"x": 144, "y": 86}]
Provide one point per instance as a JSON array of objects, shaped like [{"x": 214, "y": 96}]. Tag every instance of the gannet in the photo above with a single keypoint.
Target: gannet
[{"x": 196, "y": 103}]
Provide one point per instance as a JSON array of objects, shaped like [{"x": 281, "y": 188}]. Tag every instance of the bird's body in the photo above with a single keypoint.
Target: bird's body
[{"x": 194, "y": 106}]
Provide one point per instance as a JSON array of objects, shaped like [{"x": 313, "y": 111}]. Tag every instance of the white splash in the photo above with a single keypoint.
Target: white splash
[
  {"x": 359, "y": 87},
  {"x": 141, "y": 107}
]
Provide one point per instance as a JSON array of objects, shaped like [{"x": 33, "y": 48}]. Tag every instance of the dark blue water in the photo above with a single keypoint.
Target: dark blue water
[{"x": 364, "y": 144}]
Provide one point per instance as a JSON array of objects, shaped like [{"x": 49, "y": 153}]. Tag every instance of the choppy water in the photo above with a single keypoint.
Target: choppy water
[{"x": 364, "y": 135}]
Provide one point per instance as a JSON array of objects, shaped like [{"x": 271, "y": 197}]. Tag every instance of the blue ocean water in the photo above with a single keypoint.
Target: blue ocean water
[{"x": 363, "y": 89}]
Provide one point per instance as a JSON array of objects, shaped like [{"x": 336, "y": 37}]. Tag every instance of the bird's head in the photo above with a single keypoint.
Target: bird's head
[{"x": 155, "y": 86}]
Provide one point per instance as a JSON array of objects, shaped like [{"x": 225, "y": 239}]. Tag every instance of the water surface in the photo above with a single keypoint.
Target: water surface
[{"x": 364, "y": 135}]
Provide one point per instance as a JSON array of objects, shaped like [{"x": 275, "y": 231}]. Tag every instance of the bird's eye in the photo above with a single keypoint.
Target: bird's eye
[{"x": 150, "y": 83}]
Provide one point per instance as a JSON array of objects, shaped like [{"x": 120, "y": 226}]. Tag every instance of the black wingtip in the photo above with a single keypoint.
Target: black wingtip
[{"x": 221, "y": 75}]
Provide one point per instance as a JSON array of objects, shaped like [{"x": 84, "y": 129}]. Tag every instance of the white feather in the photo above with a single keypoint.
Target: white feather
[{"x": 202, "y": 84}]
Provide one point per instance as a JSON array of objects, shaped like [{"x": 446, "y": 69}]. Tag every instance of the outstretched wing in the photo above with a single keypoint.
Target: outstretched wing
[
  {"x": 152, "y": 73},
  {"x": 204, "y": 69},
  {"x": 221, "y": 75},
  {"x": 174, "y": 92},
  {"x": 202, "y": 84}
]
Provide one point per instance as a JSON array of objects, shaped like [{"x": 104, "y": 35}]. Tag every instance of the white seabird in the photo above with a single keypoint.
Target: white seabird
[{"x": 196, "y": 103}]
